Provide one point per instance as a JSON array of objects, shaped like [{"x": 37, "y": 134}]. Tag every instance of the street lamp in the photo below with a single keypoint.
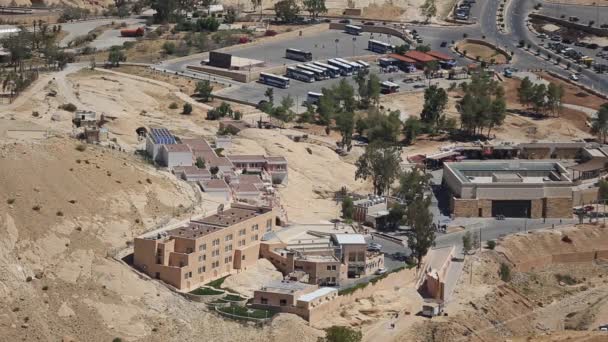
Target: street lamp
[{"x": 337, "y": 41}]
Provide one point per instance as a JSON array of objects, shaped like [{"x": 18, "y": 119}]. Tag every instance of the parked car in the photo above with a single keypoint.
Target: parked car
[
  {"x": 573, "y": 19},
  {"x": 444, "y": 44},
  {"x": 344, "y": 21},
  {"x": 581, "y": 44},
  {"x": 400, "y": 256},
  {"x": 574, "y": 77},
  {"x": 380, "y": 271},
  {"x": 556, "y": 38},
  {"x": 604, "y": 327},
  {"x": 592, "y": 46},
  {"x": 370, "y": 23},
  {"x": 566, "y": 41}
]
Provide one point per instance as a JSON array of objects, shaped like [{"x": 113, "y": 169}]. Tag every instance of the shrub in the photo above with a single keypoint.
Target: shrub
[
  {"x": 36, "y": 207},
  {"x": 566, "y": 278},
  {"x": 169, "y": 48},
  {"x": 10, "y": 201},
  {"x": 173, "y": 105},
  {"x": 342, "y": 334},
  {"x": 505, "y": 272},
  {"x": 81, "y": 148},
  {"x": 59, "y": 213},
  {"x": 69, "y": 107},
  {"x": 187, "y": 109},
  {"x": 491, "y": 244}
]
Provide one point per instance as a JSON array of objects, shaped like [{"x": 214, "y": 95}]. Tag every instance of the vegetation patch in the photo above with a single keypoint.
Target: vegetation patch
[
  {"x": 217, "y": 283},
  {"x": 205, "y": 291}
]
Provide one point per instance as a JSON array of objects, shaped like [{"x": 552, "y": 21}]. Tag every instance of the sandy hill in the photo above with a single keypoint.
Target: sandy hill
[
  {"x": 91, "y": 4},
  {"x": 62, "y": 213}
]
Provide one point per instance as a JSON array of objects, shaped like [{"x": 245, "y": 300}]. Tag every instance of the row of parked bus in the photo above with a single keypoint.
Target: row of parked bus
[
  {"x": 317, "y": 71},
  {"x": 386, "y": 87}
]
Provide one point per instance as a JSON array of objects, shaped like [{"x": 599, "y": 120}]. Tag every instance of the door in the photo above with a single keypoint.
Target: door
[{"x": 520, "y": 208}]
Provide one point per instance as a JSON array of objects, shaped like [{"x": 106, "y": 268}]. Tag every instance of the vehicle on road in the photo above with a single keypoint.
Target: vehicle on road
[
  {"x": 574, "y": 77},
  {"x": 313, "y": 98},
  {"x": 556, "y": 38},
  {"x": 443, "y": 44},
  {"x": 319, "y": 74},
  {"x": 369, "y": 23},
  {"x": 381, "y": 271},
  {"x": 344, "y": 21},
  {"x": 354, "y": 30},
  {"x": 300, "y": 75},
  {"x": 388, "y": 87},
  {"x": 274, "y": 80},
  {"x": 298, "y": 55},
  {"x": 331, "y": 70},
  {"x": 419, "y": 86},
  {"x": 379, "y": 47},
  {"x": 508, "y": 73},
  {"x": 400, "y": 256},
  {"x": 542, "y": 36},
  {"x": 581, "y": 44},
  {"x": 603, "y": 327},
  {"x": 592, "y": 46},
  {"x": 573, "y": 19}
]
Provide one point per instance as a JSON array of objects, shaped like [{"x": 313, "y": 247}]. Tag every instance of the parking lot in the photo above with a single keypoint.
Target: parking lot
[{"x": 323, "y": 45}]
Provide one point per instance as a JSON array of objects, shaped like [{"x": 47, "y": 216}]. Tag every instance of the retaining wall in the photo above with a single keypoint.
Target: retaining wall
[
  {"x": 585, "y": 28},
  {"x": 561, "y": 258}
]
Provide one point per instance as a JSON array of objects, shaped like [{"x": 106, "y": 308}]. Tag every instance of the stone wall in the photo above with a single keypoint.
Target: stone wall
[
  {"x": 486, "y": 207},
  {"x": 558, "y": 207},
  {"x": 536, "y": 208},
  {"x": 464, "y": 207}
]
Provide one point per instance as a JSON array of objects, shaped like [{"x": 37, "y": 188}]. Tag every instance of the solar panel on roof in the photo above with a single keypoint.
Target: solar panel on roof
[{"x": 162, "y": 136}]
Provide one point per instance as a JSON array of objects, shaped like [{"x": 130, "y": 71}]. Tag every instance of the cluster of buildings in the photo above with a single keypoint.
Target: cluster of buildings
[
  {"x": 246, "y": 178},
  {"x": 413, "y": 59},
  {"x": 89, "y": 126}
]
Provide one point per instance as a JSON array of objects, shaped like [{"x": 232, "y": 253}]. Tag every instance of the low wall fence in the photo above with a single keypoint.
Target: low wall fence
[
  {"x": 598, "y": 31},
  {"x": 584, "y": 87},
  {"x": 376, "y": 29}
]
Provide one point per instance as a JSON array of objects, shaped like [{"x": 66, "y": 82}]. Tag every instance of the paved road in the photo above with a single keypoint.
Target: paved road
[
  {"x": 584, "y": 13},
  {"x": 107, "y": 39}
]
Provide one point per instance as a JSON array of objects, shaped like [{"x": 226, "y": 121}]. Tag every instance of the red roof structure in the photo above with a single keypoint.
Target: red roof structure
[
  {"x": 401, "y": 58},
  {"x": 440, "y": 55},
  {"x": 420, "y": 57}
]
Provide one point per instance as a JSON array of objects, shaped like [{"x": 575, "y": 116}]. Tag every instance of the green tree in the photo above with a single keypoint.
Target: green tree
[
  {"x": 599, "y": 123},
  {"x": 361, "y": 126},
  {"x": 341, "y": 334},
  {"x": 345, "y": 122},
  {"x": 481, "y": 105},
  {"x": 381, "y": 164},
  {"x": 269, "y": 94},
  {"x": 467, "y": 243},
  {"x": 169, "y": 48},
  {"x": 395, "y": 217},
  {"x": 423, "y": 48},
  {"x": 203, "y": 90},
  {"x": 421, "y": 236},
  {"x": 555, "y": 95},
  {"x": 384, "y": 128},
  {"x": 287, "y": 11},
  {"x": 402, "y": 49},
  {"x": 116, "y": 55},
  {"x": 602, "y": 192},
  {"x": 200, "y": 163},
  {"x": 505, "y": 272},
  {"x": 314, "y": 7},
  {"x": 435, "y": 101},
  {"x": 539, "y": 98},
  {"x": 430, "y": 69},
  {"x": 348, "y": 208},
  {"x": 214, "y": 170},
  {"x": 525, "y": 91},
  {"x": 412, "y": 185},
  {"x": 187, "y": 110},
  {"x": 411, "y": 129},
  {"x": 497, "y": 113}
]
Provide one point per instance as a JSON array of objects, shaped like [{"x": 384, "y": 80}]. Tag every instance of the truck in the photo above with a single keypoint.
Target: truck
[
  {"x": 432, "y": 309},
  {"x": 134, "y": 32}
]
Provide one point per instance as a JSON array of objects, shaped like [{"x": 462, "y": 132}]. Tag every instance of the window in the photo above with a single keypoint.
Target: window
[
  {"x": 264, "y": 300},
  {"x": 202, "y": 257},
  {"x": 228, "y": 259},
  {"x": 241, "y": 243},
  {"x": 254, "y": 227},
  {"x": 283, "y": 302},
  {"x": 329, "y": 268},
  {"x": 216, "y": 242},
  {"x": 215, "y": 264},
  {"x": 201, "y": 269},
  {"x": 254, "y": 238},
  {"x": 228, "y": 237},
  {"x": 268, "y": 225},
  {"x": 352, "y": 256},
  {"x": 361, "y": 256},
  {"x": 202, "y": 247},
  {"x": 215, "y": 253},
  {"x": 227, "y": 248},
  {"x": 242, "y": 232},
  {"x": 243, "y": 257},
  {"x": 185, "y": 275},
  {"x": 333, "y": 267}
]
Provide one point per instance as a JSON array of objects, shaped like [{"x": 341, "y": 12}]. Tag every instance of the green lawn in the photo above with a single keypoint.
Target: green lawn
[
  {"x": 246, "y": 312},
  {"x": 204, "y": 291},
  {"x": 217, "y": 283}
]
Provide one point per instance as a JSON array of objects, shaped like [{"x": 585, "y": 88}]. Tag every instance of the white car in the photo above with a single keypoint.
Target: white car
[
  {"x": 574, "y": 77},
  {"x": 381, "y": 271}
]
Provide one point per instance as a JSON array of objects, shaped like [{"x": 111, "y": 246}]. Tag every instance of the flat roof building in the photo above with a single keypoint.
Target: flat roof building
[
  {"x": 514, "y": 188},
  {"x": 205, "y": 249}
]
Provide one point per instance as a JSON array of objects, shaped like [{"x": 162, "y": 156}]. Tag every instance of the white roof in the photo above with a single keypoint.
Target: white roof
[
  {"x": 320, "y": 292},
  {"x": 349, "y": 239},
  {"x": 595, "y": 152}
]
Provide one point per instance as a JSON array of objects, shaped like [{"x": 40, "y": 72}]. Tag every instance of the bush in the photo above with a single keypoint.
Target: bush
[
  {"x": 59, "y": 213},
  {"x": 81, "y": 147},
  {"x": 342, "y": 334},
  {"x": 187, "y": 109},
  {"x": 491, "y": 244},
  {"x": 566, "y": 278},
  {"x": 205, "y": 291},
  {"x": 505, "y": 272},
  {"x": 270, "y": 33},
  {"x": 69, "y": 107},
  {"x": 173, "y": 105},
  {"x": 169, "y": 48},
  {"x": 217, "y": 283}
]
